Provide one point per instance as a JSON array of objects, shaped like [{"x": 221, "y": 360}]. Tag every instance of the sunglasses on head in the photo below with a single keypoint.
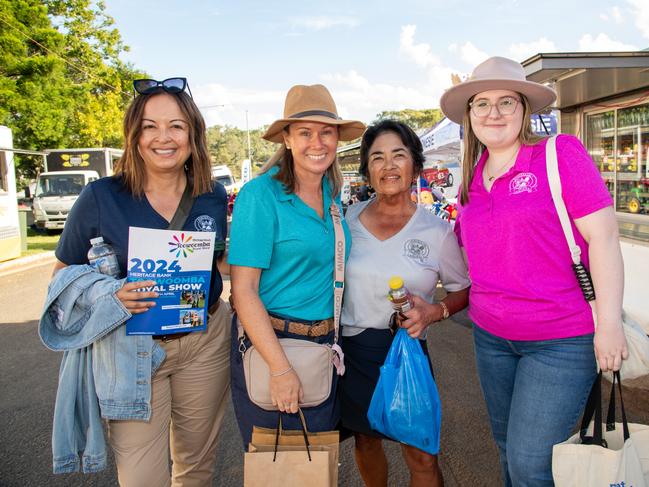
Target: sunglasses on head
[{"x": 170, "y": 85}]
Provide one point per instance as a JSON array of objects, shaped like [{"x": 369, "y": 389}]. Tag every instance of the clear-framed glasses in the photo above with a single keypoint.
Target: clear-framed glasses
[
  {"x": 505, "y": 106},
  {"x": 170, "y": 85}
]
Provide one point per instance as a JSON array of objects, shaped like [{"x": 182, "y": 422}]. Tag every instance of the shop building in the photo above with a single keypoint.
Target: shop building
[{"x": 603, "y": 98}]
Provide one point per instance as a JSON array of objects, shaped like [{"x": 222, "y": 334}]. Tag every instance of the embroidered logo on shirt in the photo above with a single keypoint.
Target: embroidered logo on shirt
[
  {"x": 205, "y": 223},
  {"x": 525, "y": 182},
  {"x": 416, "y": 249}
]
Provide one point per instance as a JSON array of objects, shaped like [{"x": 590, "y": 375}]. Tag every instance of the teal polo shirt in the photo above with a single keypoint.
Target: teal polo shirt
[{"x": 285, "y": 238}]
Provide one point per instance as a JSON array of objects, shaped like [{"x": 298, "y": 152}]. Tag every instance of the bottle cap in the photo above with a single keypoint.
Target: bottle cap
[
  {"x": 97, "y": 240},
  {"x": 395, "y": 282}
]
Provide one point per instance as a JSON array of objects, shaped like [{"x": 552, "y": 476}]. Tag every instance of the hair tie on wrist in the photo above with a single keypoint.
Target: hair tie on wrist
[{"x": 279, "y": 374}]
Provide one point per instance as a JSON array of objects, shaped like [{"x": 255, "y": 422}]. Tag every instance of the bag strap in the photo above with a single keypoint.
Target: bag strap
[
  {"x": 552, "y": 167},
  {"x": 610, "y": 417},
  {"x": 593, "y": 412},
  {"x": 304, "y": 433},
  {"x": 554, "y": 181},
  {"x": 339, "y": 266},
  {"x": 184, "y": 207},
  {"x": 339, "y": 284},
  {"x": 593, "y": 408}
]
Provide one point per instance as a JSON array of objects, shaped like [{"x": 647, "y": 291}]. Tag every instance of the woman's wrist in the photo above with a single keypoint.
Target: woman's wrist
[
  {"x": 282, "y": 372},
  {"x": 445, "y": 311}
]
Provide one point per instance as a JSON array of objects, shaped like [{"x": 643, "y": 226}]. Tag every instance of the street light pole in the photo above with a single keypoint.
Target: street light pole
[{"x": 248, "y": 133}]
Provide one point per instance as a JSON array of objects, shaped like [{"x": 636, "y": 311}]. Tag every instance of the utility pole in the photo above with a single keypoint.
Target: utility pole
[{"x": 248, "y": 133}]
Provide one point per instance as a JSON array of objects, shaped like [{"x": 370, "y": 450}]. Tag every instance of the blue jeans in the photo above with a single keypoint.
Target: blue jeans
[{"x": 535, "y": 392}]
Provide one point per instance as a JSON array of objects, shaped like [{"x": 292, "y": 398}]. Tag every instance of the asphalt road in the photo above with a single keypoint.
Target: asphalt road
[{"x": 28, "y": 388}]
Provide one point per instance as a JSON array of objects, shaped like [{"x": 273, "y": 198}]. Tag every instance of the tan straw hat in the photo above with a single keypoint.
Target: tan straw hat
[
  {"x": 312, "y": 104},
  {"x": 496, "y": 73}
]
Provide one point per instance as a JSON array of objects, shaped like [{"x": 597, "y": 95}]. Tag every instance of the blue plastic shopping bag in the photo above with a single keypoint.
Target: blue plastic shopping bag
[{"x": 405, "y": 405}]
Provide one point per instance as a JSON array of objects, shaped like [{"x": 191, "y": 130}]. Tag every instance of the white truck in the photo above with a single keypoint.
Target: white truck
[
  {"x": 223, "y": 175},
  {"x": 67, "y": 172}
]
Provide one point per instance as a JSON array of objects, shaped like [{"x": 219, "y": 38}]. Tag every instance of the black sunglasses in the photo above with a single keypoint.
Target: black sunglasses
[{"x": 170, "y": 85}]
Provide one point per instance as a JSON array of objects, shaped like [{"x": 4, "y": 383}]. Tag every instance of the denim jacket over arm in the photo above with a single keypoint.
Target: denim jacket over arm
[{"x": 103, "y": 373}]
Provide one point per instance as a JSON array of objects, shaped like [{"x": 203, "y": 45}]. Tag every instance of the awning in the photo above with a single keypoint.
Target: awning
[
  {"x": 442, "y": 141},
  {"x": 585, "y": 77}
]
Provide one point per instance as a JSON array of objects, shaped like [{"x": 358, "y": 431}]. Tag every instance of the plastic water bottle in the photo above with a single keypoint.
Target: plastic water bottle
[
  {"x": 399, "y": 295},
  {"x": 102, "y": 257}
]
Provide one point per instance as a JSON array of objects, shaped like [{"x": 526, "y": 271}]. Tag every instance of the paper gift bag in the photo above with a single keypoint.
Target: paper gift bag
[
  {"x": 617, "y": 458},
  {"x": 290, "y": 468},
  {"x": 269, "y": 440}
]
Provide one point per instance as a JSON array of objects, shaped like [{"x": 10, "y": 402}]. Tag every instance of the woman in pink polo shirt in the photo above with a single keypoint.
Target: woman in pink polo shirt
[{"x": 535, "y": 342}]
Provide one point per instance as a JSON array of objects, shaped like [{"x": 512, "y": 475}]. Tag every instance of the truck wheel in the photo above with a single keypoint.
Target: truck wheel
[
  {"x": 449, "y": 181},
  {"x": 634, "y": 205}
]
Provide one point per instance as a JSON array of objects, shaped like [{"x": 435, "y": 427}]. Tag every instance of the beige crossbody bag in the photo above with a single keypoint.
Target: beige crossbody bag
[{"x": 312, "y": 362}]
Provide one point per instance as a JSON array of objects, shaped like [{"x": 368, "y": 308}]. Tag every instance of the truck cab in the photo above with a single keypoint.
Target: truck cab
[
  {"x": 55, "y": 194},
  {"x": 223, "y": 175},
  {"x": 67, "y": 172}
]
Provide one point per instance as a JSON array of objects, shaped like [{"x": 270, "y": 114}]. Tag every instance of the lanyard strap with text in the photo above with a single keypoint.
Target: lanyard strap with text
[{"x": 339, "y": 283}]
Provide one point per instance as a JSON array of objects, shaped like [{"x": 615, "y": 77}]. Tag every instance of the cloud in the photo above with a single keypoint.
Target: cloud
[
  {"x": 359, "y": 98},
  {"x": 222, "y": 105},
  {"x": 524, "y": 50},
  {"x": 421, "y": 53},
  {"x": 469, "y": 53},
  {"x": 640, "y": 11},
  {"x": 615, "y": 14},
  {"x": 323, "y": 22},
  {"x": 603, "y": 43}
]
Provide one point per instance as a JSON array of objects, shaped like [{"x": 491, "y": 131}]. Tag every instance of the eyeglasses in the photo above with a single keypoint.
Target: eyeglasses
[
  {"x": 505, "y": 106},
  {"x": 170, "y": 85}
]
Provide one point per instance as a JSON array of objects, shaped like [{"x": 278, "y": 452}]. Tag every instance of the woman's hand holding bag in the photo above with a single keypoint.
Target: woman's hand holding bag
[
  {"x": 406, "y": 405},
  {"x": 286, "y": 391}
]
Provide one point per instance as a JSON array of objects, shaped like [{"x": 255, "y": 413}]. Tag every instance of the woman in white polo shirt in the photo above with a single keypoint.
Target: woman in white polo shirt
[{"x": 391, "y": 235}]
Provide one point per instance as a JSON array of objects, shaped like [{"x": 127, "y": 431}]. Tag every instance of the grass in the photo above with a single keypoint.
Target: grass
[{"x": 40, "y": 242}]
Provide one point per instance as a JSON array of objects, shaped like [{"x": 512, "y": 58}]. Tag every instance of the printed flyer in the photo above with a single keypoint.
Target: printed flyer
[{"x": 180, "y": 262}]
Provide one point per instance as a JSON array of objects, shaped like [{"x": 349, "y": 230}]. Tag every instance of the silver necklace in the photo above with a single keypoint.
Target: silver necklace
[{"x": 500, "y": 169}]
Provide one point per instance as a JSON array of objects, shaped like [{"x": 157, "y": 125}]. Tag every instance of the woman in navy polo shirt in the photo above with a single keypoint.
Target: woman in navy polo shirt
[
  {"x": 282, "y": 253},
  {"x": 165, "y": 152}
]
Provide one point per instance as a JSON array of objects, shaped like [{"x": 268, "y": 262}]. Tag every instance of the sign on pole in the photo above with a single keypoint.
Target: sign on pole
[{"x": 246, "y": 171}]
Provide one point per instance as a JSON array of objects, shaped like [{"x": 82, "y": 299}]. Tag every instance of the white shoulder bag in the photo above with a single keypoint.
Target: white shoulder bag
[{"x": 637, "y": 365}]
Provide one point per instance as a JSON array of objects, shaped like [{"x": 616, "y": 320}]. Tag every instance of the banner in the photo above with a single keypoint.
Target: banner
[
  {"x": 180, "y": 262},
  {"x": 246, "y": 171}
]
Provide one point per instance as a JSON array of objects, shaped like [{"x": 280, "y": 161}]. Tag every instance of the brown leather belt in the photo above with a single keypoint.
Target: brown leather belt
[
  {"x": 174, "y": 336},
  {"x": 317, "y": 329}
]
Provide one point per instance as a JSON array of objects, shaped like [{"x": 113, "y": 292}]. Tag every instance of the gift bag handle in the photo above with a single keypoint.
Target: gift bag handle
[
  {"x": 594, "y": 408},
  {"x": 610, "y": 417},
  {"x": 304, "y": 433}
]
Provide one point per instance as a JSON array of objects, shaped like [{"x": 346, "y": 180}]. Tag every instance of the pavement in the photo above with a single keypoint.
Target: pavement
[
  {"x": 24, "y": 263},
  {"x": 28, "y": 389}
]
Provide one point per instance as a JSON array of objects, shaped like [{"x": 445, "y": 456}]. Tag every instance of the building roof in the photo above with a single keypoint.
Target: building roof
[{"x": 585, "y": 77}]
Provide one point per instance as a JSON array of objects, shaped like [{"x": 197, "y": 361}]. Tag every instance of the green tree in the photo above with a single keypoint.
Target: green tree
[
  {"x": 229, "y": 146},
  {"x": 416, "y": 119},
  {"x": 62, "y": 83}
]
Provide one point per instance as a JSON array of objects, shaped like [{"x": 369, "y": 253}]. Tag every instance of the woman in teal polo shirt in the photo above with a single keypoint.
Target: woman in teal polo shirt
[{"x": 282, "y": 254}]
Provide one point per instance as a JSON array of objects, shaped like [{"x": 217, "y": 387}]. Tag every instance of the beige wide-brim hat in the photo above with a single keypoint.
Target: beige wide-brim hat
[
  {"x": 312, "y": 104},
  {"x": 496, "y": 73}
]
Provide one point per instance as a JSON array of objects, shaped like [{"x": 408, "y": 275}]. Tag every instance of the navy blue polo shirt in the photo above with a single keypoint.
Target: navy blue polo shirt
[{"x": 106, "y": 208}]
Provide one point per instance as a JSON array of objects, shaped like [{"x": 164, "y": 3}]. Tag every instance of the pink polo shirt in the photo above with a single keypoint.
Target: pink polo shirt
[{"x": 523, "y": 286}]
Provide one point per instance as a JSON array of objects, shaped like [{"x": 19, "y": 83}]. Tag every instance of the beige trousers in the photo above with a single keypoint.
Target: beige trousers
[{"x": 188, "y": 399}]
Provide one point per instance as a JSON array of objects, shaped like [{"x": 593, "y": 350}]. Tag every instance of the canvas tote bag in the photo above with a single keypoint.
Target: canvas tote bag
[
  {"x": 617, "y": 457},
  {"x": 288, "y": 458},
  {"x": 637, "y": 365}
]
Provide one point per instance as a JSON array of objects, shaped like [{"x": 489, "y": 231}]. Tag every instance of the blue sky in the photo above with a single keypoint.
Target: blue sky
[{"x": 372, "y": 55}]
